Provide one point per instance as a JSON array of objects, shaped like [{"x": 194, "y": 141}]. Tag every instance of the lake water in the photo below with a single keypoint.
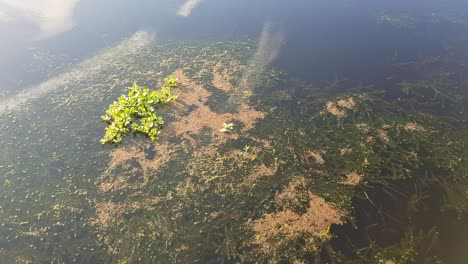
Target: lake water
[{"x": 303, "y": 132}]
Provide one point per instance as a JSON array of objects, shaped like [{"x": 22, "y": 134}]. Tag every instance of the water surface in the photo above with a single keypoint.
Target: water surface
[{"x": 356, "y": 108}]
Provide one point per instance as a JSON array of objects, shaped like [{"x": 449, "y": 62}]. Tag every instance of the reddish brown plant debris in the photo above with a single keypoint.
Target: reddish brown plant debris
[
  {"x": 249, "y": 116},
  {"x": 296, "y": 186},
  {"x": 332, "y": 108},
  {"x": 275, "y": 229},
  {"x": 414, "y": 127},
  {"x": 220, "y": 82},
  {"x": 245, "y": 158},
  {"x": 215, "y": 214},
  {"x": 121, "y": 156},
  {"x": 383, "y": 135},
  {"x": 294, "y": 226},
  {"x": 121, "y": 165},
  {"x": 317, "y": 157},
  {"x": 203, "y": 117},
  {"x": 347, "y": 103},
  {"x": 259, "y": 172},
  {"x": 225, "y": 66},
  {"x": 118, "y": 183},
  {"x": 352, "y": 178},
  {"x": 108, "y": 213},
  {"x": 341, "y": 107},
  {"x": 345, "y": 151},
  {"x": 263, "y": 170}
]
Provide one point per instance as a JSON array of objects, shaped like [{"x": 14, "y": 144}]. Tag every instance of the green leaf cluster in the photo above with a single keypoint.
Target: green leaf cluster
[{"x": 136, "y": 112}]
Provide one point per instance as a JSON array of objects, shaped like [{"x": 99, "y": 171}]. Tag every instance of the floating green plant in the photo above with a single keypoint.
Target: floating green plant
[
  {"x": 227, "y": 127},
  {"x": 136, "y": 112}
]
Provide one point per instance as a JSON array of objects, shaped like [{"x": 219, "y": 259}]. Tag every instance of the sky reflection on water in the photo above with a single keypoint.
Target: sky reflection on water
[{"x": 51, "y": 17}]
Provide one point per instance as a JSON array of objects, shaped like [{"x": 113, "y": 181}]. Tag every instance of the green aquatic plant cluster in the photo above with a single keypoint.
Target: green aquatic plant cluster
[{"x": 136, "y": 112}]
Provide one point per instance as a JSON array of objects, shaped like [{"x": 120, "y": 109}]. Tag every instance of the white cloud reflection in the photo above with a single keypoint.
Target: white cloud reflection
[
  {"x": 51, "y": 16},
  {"x": 85, "y": 70},
  {"x": 186, "y": 9},
  {"x": 4, "y": 16},
  {"x": 271, "y": 40},
  {"x": 269, "y": 46}
]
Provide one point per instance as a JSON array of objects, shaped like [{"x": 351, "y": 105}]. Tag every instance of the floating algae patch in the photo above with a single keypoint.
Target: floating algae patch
[{"x": 274, "y": 232}]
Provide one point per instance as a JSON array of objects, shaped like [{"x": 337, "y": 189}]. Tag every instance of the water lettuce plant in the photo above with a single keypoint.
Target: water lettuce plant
[{"x": 136, "y": 112}]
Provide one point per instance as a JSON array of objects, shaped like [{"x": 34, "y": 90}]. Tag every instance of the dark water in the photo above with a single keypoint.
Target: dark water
[
  {"x": 59, "y": 57},
  {"x": 323, "y": 39}
]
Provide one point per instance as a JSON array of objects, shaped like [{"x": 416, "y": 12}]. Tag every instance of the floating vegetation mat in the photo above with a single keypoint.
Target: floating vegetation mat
[{"x": 273, "y": 188}]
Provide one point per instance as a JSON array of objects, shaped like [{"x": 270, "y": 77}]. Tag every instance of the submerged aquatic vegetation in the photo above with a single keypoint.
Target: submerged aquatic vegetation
[
  {"x": 406, "y": 21},
  {"x": 247, "y": 200},
  {"x": 283, "y": 179},
  {"x": 401, "y": 21},
  {"x": 414, "y": 247},
  {"x": 59, "y": 144},
  {"x": 304, "y": 219},
  {"x": 136, "y": 112}
]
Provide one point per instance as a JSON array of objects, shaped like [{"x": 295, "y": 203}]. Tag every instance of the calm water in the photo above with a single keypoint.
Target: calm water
[
  {"x": 323, "y": 39},
  {"x": 64, "y": 61}
]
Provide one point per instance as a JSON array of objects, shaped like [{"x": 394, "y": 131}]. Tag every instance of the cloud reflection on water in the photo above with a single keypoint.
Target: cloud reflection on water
[
  {"x": 186, "y": 9},
  {"x": 85, "y": 70},
  {"x": 52, "y": 17},
  {"x": 271, "y": 40}
]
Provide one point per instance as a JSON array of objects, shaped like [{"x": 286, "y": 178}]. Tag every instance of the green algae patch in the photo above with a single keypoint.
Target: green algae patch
[{"x": 136, "y": 112}]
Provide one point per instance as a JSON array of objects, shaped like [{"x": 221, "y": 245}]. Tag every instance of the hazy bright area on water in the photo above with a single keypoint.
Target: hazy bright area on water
[{"x": 307, "y": 131}]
